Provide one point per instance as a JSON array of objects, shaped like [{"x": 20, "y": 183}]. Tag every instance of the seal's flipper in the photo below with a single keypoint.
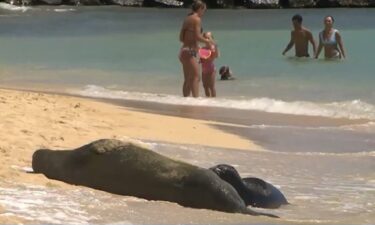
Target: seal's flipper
[{"x": 254, "y": 213}]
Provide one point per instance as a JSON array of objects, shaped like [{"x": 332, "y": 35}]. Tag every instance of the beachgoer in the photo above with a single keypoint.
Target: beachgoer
[
  {"x": 208, "y": 66},
  {"x": 300, "y": 38},
  {"x": 225, "y": 73},
  {"x": 331, "y": 40},
  {"x": 190, "y": 36}
]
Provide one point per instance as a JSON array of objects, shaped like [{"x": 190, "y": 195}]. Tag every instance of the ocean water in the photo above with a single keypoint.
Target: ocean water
[
  {"x": 316, "y": 117},
  {"x": 135, "y": 50}
]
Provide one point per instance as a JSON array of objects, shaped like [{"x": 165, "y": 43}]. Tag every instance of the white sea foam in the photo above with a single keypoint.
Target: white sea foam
[
  {"x": 198, "y": 149},
  {"x": 306, "y": 197},
  {"x": 354, "y": 109},
  {"x": 13, "y": 7},
  {"x": 365, "y": 128},
  {"x": 64, "y": 10},
  {"x": 26, "y": 202},
  {"x": 310, "y": 221},
  {"x": 352, "y": 154}
]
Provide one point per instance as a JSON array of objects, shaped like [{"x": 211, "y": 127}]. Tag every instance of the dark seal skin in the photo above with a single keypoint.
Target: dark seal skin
[
  {"x": 127, "y": 169},
  {"x": 254, "y": 191}
]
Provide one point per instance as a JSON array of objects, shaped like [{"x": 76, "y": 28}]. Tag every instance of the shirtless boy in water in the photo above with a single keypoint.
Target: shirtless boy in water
[
  {"x": 300, "y": 38},
  {"x": 190, "y": 36}
]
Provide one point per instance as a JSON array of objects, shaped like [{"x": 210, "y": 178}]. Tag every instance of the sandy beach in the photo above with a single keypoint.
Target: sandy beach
[{"x": 33, "y": 120}]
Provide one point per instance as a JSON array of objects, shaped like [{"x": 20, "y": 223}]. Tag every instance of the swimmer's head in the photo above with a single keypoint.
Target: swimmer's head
[
  {"x": 297, "y": 20},
  {"x": 208, "y": 35},
  {"x": 224, "y": 70},
  {"x": 328, "y": 21},
  {"x": 199, "y": 7}
]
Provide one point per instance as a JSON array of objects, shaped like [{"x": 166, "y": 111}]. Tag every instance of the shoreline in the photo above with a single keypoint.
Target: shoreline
[
  {"x": 227, "y": 120},
  {"x": 253, "y": 130},
  {"x": 36, "y": 119},
  {"x": 33, "y": 120},
  {"x": 33, "y": 96},
  {"x": 244, "y": 117},
  {"x": 221, "y": 116}
]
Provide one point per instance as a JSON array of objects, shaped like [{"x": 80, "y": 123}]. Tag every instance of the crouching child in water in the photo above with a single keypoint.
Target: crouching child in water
[
  {"x": 225, "y": 73},
  {"x": 207, "y": 55}
]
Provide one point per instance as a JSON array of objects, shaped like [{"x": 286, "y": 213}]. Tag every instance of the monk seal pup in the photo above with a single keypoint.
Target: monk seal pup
[
  {"x": 127, "y": 169},
  {"x": 253, "y": 191}
]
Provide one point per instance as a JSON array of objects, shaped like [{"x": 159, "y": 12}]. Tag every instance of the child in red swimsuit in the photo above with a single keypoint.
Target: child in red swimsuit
[{"x": 208, "y": 67}]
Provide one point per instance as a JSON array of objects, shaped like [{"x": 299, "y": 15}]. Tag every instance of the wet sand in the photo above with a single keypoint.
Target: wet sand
[
  {"x": 33, "y": 120},
  {"x": 272, "y": 131}
]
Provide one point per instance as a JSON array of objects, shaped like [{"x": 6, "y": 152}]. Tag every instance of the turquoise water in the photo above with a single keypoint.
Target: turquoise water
[
  {"x": 136, "y": 50},
  {"x": 325, "y": 169}
]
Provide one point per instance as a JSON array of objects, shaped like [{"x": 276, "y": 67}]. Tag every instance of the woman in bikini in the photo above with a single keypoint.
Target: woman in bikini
[
  {"x": 208, "y": 67},
  {"x": 331, "y": 40},
  {"x": 190, "y": 36}
]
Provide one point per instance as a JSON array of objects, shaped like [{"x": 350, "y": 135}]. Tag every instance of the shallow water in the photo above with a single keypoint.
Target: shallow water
[
  {"x": 325, "y": 168},
  {"x": 131, "y": 54},
  {"x": 135, "y": 50},
  {"x": 322, "y": 189}
]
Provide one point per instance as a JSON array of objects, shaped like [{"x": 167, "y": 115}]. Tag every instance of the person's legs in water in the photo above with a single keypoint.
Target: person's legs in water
[
  {"x": 212, "y": 83},
  {"x": 205, "y": 80},
  {"x": 194, "y": 78},
  {"x": 191, "y": 72},
  {"x": 186, "y": 90},
  {"x": 208, "y": 70}
]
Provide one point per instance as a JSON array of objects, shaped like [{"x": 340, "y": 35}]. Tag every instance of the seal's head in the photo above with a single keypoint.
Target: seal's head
[
  {"x": 39, "y": 157},
  {"x": 229, "y": 174}
]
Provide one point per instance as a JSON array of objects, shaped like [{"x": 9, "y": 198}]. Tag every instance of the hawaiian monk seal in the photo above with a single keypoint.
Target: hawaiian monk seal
[
  {"x": 126, "y": 169},
  {"x": 253, "y": 191}
]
